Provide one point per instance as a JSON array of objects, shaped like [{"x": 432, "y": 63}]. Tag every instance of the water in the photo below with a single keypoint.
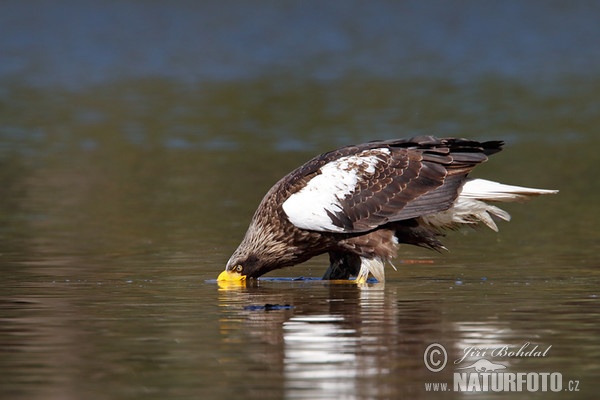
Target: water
[{"x": 137, "y": 139}]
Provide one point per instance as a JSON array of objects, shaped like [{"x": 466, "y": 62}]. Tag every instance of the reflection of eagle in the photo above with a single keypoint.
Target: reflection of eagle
[{"x": 358, "y": 202}]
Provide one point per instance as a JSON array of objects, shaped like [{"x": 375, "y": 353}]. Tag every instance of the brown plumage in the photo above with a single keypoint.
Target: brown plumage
[{"x": 358, "y": 202}]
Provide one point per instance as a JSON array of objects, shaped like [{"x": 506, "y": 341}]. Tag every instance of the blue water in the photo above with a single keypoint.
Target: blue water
[{"x": 74, "y": 44}]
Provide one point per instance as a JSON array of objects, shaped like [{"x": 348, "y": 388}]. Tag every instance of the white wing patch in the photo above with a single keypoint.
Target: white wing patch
[{"x": 308, "y": 208}]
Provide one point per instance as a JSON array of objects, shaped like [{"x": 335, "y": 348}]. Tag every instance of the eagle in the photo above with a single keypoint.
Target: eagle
[{"x": 359, "y": 202}]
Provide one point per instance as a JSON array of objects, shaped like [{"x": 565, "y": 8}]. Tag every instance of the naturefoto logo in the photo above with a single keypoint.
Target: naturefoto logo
[
  {"x": 484, "y": 365},
  {"x": 478, "y": 370}
]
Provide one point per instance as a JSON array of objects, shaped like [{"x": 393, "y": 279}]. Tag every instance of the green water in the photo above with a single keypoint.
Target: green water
[{"x": 123, "y": 194}]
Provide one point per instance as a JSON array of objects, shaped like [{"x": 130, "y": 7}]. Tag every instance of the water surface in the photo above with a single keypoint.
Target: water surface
[{"x": 137, "y": 139}]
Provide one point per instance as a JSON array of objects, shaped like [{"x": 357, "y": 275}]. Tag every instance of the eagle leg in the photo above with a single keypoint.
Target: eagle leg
[
  {"x": 342, "y": 266},
  {"x": 373, "y": 266}
]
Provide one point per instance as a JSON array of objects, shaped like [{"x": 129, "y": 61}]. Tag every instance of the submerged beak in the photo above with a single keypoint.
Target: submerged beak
[{"x": 231, "y": 277}]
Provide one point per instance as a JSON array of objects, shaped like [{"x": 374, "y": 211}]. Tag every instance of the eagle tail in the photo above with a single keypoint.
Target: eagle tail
[
  {"x": 482, "y": 189},
  {"x": 471, "y": 207}
]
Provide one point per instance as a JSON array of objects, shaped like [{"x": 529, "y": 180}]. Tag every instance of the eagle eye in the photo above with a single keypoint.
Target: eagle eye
[{"x": 238, "y": 268}]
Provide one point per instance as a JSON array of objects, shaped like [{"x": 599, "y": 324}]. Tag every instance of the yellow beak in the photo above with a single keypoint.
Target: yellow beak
[{"x": 231, "y": 277}]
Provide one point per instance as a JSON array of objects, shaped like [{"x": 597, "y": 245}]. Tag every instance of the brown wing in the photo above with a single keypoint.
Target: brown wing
[{"x": 412, "y": 177}]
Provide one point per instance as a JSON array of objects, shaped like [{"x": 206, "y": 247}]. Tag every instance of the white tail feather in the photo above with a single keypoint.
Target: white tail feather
[
  {"x": 470, "y": 206},
  {"x": 482, "y": 189}
]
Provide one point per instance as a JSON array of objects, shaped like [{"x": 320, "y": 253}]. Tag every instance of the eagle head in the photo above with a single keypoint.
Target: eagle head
[
  {"x": 259, "y": 253},
  {"x": 240, "y": 267}
]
